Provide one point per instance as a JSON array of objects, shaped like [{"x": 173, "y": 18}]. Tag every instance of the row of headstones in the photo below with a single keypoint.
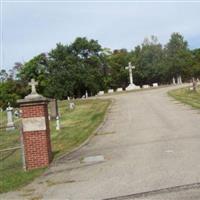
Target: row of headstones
[
  {"x": 121, "y": 89},
  {"x": 54, "y": 114}
]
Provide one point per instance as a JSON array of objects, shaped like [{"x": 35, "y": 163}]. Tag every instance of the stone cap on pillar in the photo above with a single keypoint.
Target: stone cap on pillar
[{"x": 33, "y": 96}]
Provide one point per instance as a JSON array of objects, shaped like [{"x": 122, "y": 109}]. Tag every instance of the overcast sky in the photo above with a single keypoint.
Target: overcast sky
[{"x": 30, "y": 28}]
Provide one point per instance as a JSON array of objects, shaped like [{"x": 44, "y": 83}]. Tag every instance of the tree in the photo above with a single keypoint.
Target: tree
[
  {"x": 118, "y": 75},
  {"x": 148, "y": 61},
  {"x": 177, "y": 56},
  {"x": 35, "y": 68},
  {"x": 75, "y": 68},
  {"x": 195, "y": 70},
  {"x": 3, "y": 75}
]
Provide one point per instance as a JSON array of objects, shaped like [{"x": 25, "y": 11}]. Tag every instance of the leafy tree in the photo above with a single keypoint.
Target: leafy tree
[
  {"x": 35, "y": 68},
  {"x": 11, "y": 90},
  {"x": 3, "y": 75},
  {"x": 177, "y": 56},
  {"x": 118, "y": 75},
  {"x": 75, "y": 68},
  {"x": 148, "y": 61}
]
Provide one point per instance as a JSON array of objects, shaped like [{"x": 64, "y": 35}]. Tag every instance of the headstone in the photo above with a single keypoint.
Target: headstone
[
  {"x": 155, "y": 84},
  {"x": 194, "y": 84},
  {"x": 68, "y": 98},
  {"x": 10, "y": 123},
  {"x": 86, "y": 94},
  {"x": 145, "y": 86},
  {"x": 16, "y": 113},
  {"x": 71, "y": 105},
  {"x": 119, "y": 90},
  {"x": 131, "y": 86},
  {"x": 53, "y": 105},
  {"x": 179, "y": 80},
  {"x": 173, "y": 81},
  {"x": 57, "y": 123},
  {"x": 101, "y": 93},
  {"x": 110, "y": 91}
]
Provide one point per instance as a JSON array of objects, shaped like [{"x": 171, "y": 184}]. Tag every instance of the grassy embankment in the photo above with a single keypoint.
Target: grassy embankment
[
  {"x": 76, "y": 127},
  {"x": 187, "y": 96}
]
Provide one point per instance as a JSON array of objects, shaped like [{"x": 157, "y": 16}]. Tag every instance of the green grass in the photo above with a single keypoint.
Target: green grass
[
  {"x": 186, "y": 96},
  {"x": 76, "y": 127}
]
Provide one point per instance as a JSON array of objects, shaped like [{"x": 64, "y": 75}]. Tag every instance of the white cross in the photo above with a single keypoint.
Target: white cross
[
  {"x": 33, "y": 83},
  {"x": 130, "y": 67}
]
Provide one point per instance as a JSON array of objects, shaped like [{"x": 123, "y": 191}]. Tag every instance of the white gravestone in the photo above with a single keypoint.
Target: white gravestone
[
  {"x": 155, "y": 84},
  {"x": 173, "y": 81},
  {"x": 110, "y": 91},
  {"x": 179, "y": 80},
  {"x": 10, "y": 123},
  {"x": 71, "y": 105},
  {"x": 145, "y": 86},
  {"x": 86, "y": 94},
  {"x": 57, "y": 123},
  {"x": 119, "y": 89},
  {"x": 131, "y": 86},
  {"x": 101, "y": 93},
  {"x": 34, "y": 93}
]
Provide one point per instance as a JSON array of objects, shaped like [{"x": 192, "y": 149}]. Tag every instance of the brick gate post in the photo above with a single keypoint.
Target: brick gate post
[{"x": 35, "y": 129}]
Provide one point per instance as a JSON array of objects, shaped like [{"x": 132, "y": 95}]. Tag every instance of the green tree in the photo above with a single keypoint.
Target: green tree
[
  {"x": 148, "y": 61},
  {"x": 118, "y": 75},
  {"x": 177, "y": 56}
]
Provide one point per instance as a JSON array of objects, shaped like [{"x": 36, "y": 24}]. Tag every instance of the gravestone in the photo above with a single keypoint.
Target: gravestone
[
  {"x": 86, "y": 94},
  {"x": 145, "y": 86},
  {"x": 173, "y": 81},
  {"x": 10, "y": 123},
  {"x": 119, "y": 90},
  {"x": 179, "y": 80},
  {"x": 131, "y": 86},
  {"x": 57, "y": 123},
  {"x": 155, "y": 84},
  {"x": 101, "y": 93},
  {"x": 110, "y": 91},
  {"x": 71, "y": 105},
  {"x": 194, "y": 84},
  {"x": 53, "y": 105}
]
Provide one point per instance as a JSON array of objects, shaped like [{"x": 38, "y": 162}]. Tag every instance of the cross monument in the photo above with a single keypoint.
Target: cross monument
[
  {"x": 33, "y": 83},
  {"x": 33, "y": 93},
  {"x": 130, "y": 67},
  {"x": 131, "y": 85}
]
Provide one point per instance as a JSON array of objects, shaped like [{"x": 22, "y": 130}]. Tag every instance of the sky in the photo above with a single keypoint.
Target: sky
[{"x": 33, "y": 27}]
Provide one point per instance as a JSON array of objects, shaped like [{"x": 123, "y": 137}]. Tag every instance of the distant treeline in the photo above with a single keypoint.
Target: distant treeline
[{"x": 71, "y": 69}]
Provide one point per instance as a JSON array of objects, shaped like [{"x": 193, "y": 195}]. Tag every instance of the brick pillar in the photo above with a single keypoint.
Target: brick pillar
[{"x": 36, "y": 132}]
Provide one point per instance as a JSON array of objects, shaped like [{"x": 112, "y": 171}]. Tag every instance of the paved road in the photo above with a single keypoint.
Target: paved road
[{"x": 149, "y": 142}]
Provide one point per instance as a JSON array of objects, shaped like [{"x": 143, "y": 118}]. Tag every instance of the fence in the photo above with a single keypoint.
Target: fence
[{"x": 11, "y": 151}]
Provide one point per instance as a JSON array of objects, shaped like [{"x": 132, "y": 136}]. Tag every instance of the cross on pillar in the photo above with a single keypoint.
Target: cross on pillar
[
  {"x": 130, "y": 67},
  {"x": 33, "y": 83}
]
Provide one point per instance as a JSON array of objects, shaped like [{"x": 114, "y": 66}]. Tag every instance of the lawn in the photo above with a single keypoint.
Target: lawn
[
  {"x": 76, "y": 127},
  {"x": 187, "y": 96}
]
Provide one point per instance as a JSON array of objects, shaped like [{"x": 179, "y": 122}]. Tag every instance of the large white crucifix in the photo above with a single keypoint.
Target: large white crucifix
[
  {"x": 130, "y": 67},
  {"x": 33, "y": 83}
]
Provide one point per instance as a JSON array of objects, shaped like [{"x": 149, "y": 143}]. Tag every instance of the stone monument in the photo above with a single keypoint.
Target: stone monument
[
  {"x": 35, "y": 129},
  {"x": 53, "y": 105},
  {"x": 10, "y": 123},
  {"x": 179, "y": 80},
  {"x": 173, "y": 81},
  {"x": 86, "y": 94},
  {"x": 131, "y": 86}
]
